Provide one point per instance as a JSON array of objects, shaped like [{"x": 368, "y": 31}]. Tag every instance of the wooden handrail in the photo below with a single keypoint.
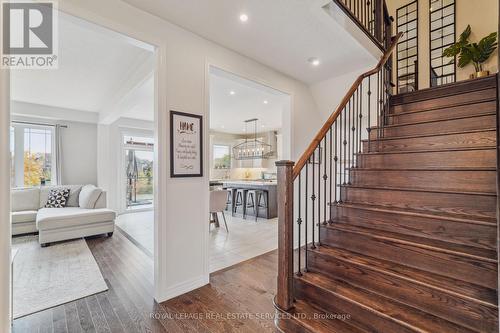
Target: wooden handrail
[{"x": 330, "y": 121}]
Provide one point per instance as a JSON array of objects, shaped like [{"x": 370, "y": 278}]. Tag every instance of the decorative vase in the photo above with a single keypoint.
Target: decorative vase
[{"x": 482, "y": 73}]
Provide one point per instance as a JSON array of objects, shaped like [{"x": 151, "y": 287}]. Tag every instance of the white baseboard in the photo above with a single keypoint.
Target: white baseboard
[{"x": 182, "y": 288}]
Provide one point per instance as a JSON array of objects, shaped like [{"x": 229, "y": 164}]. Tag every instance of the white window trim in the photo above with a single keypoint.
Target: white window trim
[
  {"x": 19, "y": 151},
  {"x": 122, "y": 186},
  {"x": 229, "y": 148}
]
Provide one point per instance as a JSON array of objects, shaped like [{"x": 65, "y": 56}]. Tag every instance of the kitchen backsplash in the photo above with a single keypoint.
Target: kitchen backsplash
[{"x": 241, "y": 173}]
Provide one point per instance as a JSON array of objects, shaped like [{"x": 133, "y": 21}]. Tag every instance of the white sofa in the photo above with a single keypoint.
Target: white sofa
[{"x": 29, "y": 215}]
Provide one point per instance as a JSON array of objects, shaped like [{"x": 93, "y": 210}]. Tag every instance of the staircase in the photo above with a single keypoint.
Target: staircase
[{"x": 409, "y": 243}]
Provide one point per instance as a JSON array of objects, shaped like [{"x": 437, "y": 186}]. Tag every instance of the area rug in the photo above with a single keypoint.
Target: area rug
[{"x": 54, "y": 275}]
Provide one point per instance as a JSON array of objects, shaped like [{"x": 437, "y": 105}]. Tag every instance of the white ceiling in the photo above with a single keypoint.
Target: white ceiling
[
  {"x": 94, "y": 65},
  {"x": 142, "y": 102},
  {"x": 228, "y": 112},
  {"x": 282, "y": 34}
]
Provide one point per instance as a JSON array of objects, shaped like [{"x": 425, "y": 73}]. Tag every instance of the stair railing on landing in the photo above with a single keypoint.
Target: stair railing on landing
[
  {"x": 372, "y": 17},
  {"x": 319, "y": 178}
]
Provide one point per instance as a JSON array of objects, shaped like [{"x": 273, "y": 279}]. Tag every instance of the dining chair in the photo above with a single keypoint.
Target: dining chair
[{"x": 218, "y": 200}]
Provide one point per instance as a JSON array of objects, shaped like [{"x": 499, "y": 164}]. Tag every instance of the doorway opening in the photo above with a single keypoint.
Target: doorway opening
[
  {"x": 72, "y": 130},
  {"x": 249, "y": 131}
]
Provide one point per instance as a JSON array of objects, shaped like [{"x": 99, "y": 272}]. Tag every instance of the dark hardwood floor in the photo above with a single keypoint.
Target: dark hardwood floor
[{"x": 238, "y": 299}]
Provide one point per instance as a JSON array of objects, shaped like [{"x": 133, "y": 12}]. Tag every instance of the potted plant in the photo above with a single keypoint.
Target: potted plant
[{"x": 477, "y": 53}]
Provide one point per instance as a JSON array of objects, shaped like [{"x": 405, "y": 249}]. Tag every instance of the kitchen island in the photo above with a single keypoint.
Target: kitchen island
[{"x": 264, "y": 185}]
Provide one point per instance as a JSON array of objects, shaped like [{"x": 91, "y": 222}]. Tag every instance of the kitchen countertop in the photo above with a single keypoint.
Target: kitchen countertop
[{"x": 250, "y": 182}]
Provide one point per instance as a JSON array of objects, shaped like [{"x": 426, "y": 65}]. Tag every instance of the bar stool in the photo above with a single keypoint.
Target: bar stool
[
  {"x": 251, "y": 201},
  {"x": 240, "y": 200},
  {"x": 230, "y": 196},
  {"x": 261, "y": 194}
]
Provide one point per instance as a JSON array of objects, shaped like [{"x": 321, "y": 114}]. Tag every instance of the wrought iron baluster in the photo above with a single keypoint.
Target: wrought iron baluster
[
  {"x": 313, "y": 206},
  {"x": 369, "y": 126},
  {"x": 378, "y": 107},
  {"x": 331, "y": 156},
  {"x": 335, "y": 159},
  {"x": 367, "y": 18},
  {"x": 355, "y": 130},
  {"x": 341, "y": 145},
  {"x": 351, "y": 136},
  {"x": 360, "y": 124},
  {"x": 306, "y": 217},
  {"x": 319, "y": 193},
  {"x": 325, "y": 179},
  {"x": 345, "y": 130},
  {"x": 358, "y": 129},
  {"x": 299, "y": 223}
]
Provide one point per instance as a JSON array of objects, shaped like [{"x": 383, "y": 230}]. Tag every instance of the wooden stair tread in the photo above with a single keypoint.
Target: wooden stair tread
[
  {"x": 410, "y": 318},
  {"x": 445, "y": 90},
  {"x": 463, "y": 289},
  {"x": 436, "y": 121},
  {"x": 312, "y": 319},
  {"x": 440, "y": 107},
  {"x": 451, "y": 217},
  {"x": 426, "y": 151},
  {"x": 424, "y": 169},
  {"x": 411, "y": 189},
  {"x": 429, "y": 244},
  {"x": 414, "y": 136}
]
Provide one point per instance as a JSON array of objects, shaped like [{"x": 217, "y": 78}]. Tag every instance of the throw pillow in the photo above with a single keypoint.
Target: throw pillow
[
  {"x": 58, "y": 197},
  {"x": 88, "y": 196}
]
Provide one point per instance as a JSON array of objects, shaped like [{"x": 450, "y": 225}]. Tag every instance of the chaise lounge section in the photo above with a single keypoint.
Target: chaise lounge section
[{"x": 81, "y": 217}]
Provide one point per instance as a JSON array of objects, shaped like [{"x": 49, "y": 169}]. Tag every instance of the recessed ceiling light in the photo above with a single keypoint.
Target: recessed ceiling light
[
  {"x": 263, "y": 126},
  {"x": 266, "y": 102},
  {"x": 222, "y": 126},
  {"x": 314, "y": 61},
  {"x": 232, "y": 92},
  {"x": 243, "y": 17}
]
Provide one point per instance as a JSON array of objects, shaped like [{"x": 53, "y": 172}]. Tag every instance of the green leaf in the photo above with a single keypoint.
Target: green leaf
[
  {"x": 464, "y": 37},
  {"x": 465, "y": 57},
  {"x": 486, "y": 47},
  {"x": 453, "y": 50},
  {"x": 467, "y": 52}
]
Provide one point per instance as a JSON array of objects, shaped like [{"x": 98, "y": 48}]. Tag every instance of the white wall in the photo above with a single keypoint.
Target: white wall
[
  {"x": 79, "y": 153},
  {"x": 329, "y": 93},
  {"x": 79, "y": 139}
]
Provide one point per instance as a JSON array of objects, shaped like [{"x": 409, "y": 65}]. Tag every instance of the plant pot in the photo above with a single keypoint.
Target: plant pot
[{"x": 482, "y": 74}]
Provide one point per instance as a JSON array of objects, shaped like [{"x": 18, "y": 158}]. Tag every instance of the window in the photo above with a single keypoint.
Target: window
[
  {"x": 32, "y": 158},
  {"x": 222, "y": 157},
  {"x": 139, "y": 153},
  {"x": 407, "y": 55},
  {"x": 442, "y": 35}
]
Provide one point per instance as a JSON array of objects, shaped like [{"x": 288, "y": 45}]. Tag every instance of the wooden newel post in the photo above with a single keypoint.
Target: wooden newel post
[{"x": 284, "y": 296}]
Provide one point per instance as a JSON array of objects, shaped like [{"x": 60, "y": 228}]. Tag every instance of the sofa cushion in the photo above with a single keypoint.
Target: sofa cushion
[
  {"x": 74, "y": 193},
  {"x": 88, "y": 196},
  {"x": 25, "y": 199},
  {"x": 55, "y": 218},
  {"x": 57, "y": 198},
  {"x": 24, "y": 216}
]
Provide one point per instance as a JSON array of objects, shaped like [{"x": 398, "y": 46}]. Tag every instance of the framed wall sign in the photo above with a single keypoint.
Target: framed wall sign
[{"x": 186, "y": 145}]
